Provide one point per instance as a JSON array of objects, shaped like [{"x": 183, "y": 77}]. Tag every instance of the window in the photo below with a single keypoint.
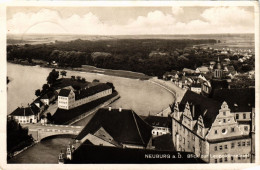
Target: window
[
  {"x": 246, "y": 128},
  {"x": 224, "y": 131},
  {"x": 216, "y": 132},
  {"x": 238, "y": 143},
  {"x": 232, "y": 145},
  {"x": 244, "y": 116},
  {"x": 225, "y": 159},
  {"x": 224, "y": 120},
  {"x": 224, "y": 113},
  {"x": 237, "y": 116},
  {"x": 216, "y": 148},
  {"x": 216, "y": 161},
  {"x": 248, "y": 143},
  {"x": 243, "y": 143},
  {"x": 238, "y": 157},
  {"x": 225, "y": 146},
  {"x": 220, "y": 159},
  {"x": 232, "y": 129},
  {"x": 232, "y": 158},
  {"x": 220, "y": 147}
]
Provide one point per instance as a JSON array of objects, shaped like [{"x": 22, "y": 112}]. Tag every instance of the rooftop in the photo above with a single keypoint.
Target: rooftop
[
  {"x": 124, "y": 126},
  {"x": 80, "y": 94},
  {"x": 201, "y": 105},
  {"x": 238, "y": 100},
  {"x": 157, "y": 121},
  {"x": 62, "y": 116},
  {"x": 27, "y": 111}
]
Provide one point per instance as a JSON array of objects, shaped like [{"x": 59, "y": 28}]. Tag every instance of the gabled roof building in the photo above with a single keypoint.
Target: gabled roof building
[
  {"x": 209, "y": 128},
  {"x": 117, "y": 128}
]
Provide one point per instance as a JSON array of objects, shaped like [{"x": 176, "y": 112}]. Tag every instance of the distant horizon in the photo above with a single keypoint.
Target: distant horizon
[{"x": 124, "y": 34}]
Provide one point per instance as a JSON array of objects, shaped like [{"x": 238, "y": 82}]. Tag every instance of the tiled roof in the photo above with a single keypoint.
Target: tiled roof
[
  {"x": 27, "y": 111},
  {"x": 49, "y": 95},
  {"x": 158, "y": 121},
  {"x": 62, "y": 116},
  {"x": 64, "y": 92},
  {"x": 202, "y": 104},
  {"x": 125, "y": 126},
  {"x": 91, "y": 91},
  {"x": 238, "y": 100},
  {"x": 164, "y": 142}
]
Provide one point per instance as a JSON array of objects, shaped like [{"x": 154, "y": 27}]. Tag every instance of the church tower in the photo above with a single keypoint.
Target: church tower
[{"x": 218, "y": 70}]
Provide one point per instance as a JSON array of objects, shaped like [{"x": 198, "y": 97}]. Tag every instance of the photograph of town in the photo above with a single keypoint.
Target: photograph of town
[{"x": 130, "y": 84}]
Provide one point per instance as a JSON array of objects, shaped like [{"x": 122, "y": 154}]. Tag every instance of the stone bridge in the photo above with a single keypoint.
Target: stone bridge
[{"x": 40, "y": 132}]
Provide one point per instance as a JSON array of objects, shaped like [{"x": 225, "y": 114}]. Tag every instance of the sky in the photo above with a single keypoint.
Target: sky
[{"x": 130, "y": 20}]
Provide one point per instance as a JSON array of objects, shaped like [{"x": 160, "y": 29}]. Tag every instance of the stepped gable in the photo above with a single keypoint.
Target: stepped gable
[
  {"x": 125, "y": 126},
  {"x": 202, "y": 105},
  {"x": 238, "y": 100}
]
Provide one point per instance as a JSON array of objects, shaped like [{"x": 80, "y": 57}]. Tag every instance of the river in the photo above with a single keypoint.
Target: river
[{"x": 141, "y": 96}]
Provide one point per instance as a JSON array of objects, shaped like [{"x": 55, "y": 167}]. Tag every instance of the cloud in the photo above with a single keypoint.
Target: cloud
[
  {"x": 214, "y": 20},
  {"x": 176, "y": 10}
]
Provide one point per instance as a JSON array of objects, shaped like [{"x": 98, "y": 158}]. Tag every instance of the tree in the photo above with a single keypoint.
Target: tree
[
  {"x": 37, "y": 92},
  {"x": 45, "y": 87},
  {"x": 63, "y": 73},
  {"x": 78, "y": 78},
  {"x": 53, "y": 76}
]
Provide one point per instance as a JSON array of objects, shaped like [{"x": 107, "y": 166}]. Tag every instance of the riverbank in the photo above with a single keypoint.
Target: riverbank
[{"x": 91, "y": 69}]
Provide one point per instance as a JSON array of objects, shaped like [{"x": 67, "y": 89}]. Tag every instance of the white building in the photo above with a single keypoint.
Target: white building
[
  {"x": 68, "y": 99},
  {"x": 161, "y": 125},
  {"x": 26, "y": 115}
]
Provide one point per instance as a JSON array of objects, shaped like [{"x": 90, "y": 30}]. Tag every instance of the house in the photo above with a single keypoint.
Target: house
[
  {"x": 202, "y": 69},
  {"x": 49, "y": 97},
  {"x": 196, "y": 87},
  {"x": 117, "y": 128},
  {"x": 187, "y": 70},
  {"x": 240, "y": 102},
  {"x": 25, "y": 115},
  {"x": 68, "y": 99},
  {"x": 208, "y": 128},
  {"x": 161, "y": 125}
]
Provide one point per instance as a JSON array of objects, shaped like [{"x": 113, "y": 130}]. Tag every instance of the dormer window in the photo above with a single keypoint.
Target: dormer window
[{"x": 224, "y": 113}]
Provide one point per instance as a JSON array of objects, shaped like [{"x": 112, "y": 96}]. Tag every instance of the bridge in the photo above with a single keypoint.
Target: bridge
[{"x": 40, "y": 132}]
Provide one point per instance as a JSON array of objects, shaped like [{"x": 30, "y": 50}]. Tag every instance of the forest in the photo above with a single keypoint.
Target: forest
[{"x": 152, "y": 57}]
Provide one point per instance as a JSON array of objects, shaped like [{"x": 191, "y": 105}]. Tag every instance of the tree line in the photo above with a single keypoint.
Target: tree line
[{"x": 149, "y": 56}]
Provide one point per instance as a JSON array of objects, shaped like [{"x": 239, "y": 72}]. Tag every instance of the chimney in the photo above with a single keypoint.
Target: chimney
[
  {"x": 109, "y": 108},
  {"x": 120, "y": 109}
]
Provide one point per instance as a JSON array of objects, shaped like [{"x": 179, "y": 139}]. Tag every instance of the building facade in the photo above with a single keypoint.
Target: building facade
[
  {"x": 209, "y": 130},
  {"x": 68, "y": 99}
]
